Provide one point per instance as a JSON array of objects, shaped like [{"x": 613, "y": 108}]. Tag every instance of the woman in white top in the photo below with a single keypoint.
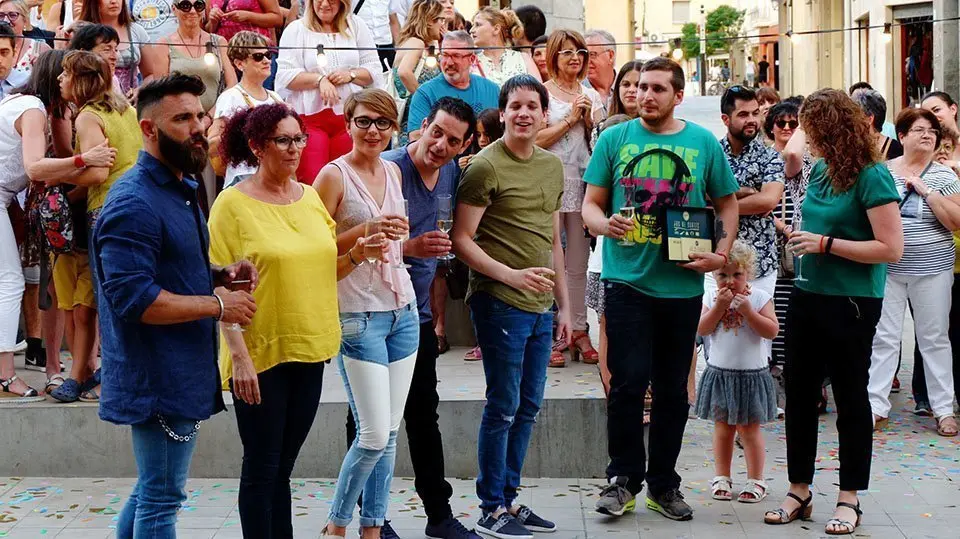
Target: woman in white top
[
  {"x": 248, "y": 53},
  {"x": 24, "y": 140},
  {"x": 572, "y": 113},
  {"x": 493, "y": 27},
  {"x": 316, "y": 85},
  {"x": 378, "y": 310}
]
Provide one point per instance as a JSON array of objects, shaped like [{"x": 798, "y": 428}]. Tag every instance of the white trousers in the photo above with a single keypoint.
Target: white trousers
[
  {"x": 11, "y": 285},
  {"x": 930, "y": 296}
]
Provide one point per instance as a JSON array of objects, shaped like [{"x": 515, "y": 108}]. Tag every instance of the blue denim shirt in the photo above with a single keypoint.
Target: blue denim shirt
[{"x": 152, "y": 236}]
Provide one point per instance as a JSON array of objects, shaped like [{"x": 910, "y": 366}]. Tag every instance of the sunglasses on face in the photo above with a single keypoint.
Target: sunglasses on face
[
  {"x": 259, "y": 56},
  {"x": 793, "y": 124},
  {"x": 364, "y": 122},
  {"x": 10, "y": 16},
  {"x": 200, "y": 6},
  {"x": 569, "y": 53}
]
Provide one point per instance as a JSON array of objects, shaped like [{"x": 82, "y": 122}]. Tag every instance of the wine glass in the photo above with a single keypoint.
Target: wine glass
[
  {"x": 627, "y": 209},
  {"x": 797, "y": 257},
  {"x": 406, "y": 235},
  {"x": 545, "y": 260},
  {"x": 371, "y": 249},
  {"x": 234, "y": 285},
  {"x": 445, "y": 219}
]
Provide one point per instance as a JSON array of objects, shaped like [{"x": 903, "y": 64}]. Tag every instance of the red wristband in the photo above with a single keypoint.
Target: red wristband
[
  {"x": 821, "y": 243},
  {"x": 725, "y": 259},
  {"x": 78, "y": 161}
]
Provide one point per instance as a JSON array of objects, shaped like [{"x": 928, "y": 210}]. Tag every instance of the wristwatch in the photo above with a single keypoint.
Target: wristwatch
[
  {"x": 353, "y": 75},
  {"x": 78, "y": 162}
]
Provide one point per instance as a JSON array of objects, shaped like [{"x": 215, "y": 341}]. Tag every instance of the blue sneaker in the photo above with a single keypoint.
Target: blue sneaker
[
  {"x": 529, "y": 520},
  {"x": 503, "y": 527},
  {"x": 450, "y": 528},
  {"x": 387, "y": 531}
]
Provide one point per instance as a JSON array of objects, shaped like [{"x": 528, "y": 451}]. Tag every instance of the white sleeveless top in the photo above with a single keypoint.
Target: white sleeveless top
[
  {"x": 377, "y": 287},
  {"x": 13, "y": 174}
]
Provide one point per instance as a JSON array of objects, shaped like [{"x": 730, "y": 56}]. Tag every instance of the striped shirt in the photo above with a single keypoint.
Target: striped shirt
[{"x": 927, "y": 245}]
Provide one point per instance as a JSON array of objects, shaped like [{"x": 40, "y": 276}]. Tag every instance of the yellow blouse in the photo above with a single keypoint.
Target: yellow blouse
[
  {"x": 123, "y": 133},
  {"x": 294, "y": 249}
]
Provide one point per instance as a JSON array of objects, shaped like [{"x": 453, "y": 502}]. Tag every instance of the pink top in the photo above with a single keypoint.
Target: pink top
[
  {"x": 381, "y": 286},
  {"x": 228, "y": 28}
]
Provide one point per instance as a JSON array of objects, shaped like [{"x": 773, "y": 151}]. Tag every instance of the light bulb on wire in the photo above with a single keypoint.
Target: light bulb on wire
[
  {"x": 795, "y": 38},
  {"x": 321, "y": 57},
  {"x": 887, "y": 32},
  {"x": 431, "y": 61},
  {"x": 210, "y": 57}
]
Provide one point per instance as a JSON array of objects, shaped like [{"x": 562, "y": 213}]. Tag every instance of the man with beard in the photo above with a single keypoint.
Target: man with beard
[
  {"x": 157, "y": 304},
  {"x": 457, "y": 55},
  {"x": 652, "y": 305},
  {"x": 759, "y": 172}
]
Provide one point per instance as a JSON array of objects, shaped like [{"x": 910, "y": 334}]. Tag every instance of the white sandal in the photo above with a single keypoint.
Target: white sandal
[
  {"x": 721, "y": 488},
  {"x": 754, "y": 492}
]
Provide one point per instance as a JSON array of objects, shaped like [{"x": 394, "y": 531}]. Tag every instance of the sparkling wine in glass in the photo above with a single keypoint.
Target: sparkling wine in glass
[
  {"x": 406, "y": 235},
  {"x": 371, "y": 249},
  {"x": 627, "y": 209},
  {"x": 445, "y": 219},
  {"x": 798, "y": 257},
  {"x": 238, "y": 284}
]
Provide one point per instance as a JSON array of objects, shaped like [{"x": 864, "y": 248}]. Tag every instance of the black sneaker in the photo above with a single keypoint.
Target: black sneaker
[
  {"x": 36, "y": 361},
  {"x": 503, "y": 527},
  {"x": 670, "y": 504},
  {"x": 387, "y": 532},
  {"x": 615, "y": 499},
  {"x": 923, "y": 409},
  {"x": 526, "y": 517},
  {"x": 450, "y": 528}
]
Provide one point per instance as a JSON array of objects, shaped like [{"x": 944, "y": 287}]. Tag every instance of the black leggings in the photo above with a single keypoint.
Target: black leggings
[{"x": 272, "y": 433}]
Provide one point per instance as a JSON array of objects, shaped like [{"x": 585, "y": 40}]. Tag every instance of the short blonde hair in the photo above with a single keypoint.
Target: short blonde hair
[
  {"x": 24, "y": 11},
  {"x": 238, "y": 48},
  {"x": 341, "y": 21},
  {"x": 374, "y": 99},
  {"x": 744, "y": 256},
  {"x": 555, "y": 45}
]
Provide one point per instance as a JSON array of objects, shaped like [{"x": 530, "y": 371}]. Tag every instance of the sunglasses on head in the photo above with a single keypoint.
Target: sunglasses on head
[
  {"x": 793, "y": 124},
  {"x": 259, "y": 56},
  {"x": 200, "y": 6}
]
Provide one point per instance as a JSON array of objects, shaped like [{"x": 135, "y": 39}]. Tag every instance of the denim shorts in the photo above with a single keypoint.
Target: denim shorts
[{"x": 380, "y": 337}]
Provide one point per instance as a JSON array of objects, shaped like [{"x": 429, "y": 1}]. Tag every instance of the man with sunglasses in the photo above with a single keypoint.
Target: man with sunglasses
[
  {"x": 759, "y": 172},
  {"x": 458, "y": 54}
]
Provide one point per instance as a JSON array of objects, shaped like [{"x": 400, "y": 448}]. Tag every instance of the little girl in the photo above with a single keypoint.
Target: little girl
[{"x": 736, "y": 390}]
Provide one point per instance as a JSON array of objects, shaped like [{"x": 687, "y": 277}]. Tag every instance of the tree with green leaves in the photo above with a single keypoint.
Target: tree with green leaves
[{"x": 723, "y": 26}]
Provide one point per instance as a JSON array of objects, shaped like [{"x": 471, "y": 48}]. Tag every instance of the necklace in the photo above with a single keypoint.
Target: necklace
[
  {"x": 564, "y": 90},
  {"x": 199, "y": 45}
]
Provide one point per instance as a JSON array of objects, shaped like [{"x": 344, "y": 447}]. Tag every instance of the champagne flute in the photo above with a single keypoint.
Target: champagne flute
[
  {"x": 545, "y": 260},
  {"x": 627, "y": 209},
  {"x": 238, "y": 284},
  {"x": 445, "y": 219},
  {"x": 406, "y": 235},
  {"x": 371, "y": 249},
  {"x": 797, "y": 257}
]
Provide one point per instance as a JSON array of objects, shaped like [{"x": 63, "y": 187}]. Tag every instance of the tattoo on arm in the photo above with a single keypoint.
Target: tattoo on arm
[{"x": 720, "y": 232}]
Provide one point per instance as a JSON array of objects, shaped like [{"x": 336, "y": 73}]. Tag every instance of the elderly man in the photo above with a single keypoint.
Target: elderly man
[
  {"x": 457, "y": 55},
  {"x": 603, "y": 56}
]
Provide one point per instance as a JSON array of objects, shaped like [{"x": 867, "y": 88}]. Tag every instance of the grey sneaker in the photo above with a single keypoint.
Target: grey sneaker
[
  {"x": 503, "y": 527},
  {"x": 615, "y": 499},
  {"x": 531, "y": 521},
  {"x": 670, "y": 504}
]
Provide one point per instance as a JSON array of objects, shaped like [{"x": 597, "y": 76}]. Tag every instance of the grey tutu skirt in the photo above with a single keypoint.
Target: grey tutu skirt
[{"x": 736, "y": 397}]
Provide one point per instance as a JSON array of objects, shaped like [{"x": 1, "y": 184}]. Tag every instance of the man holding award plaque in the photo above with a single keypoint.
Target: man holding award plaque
[{"x": 660, "y": 171}]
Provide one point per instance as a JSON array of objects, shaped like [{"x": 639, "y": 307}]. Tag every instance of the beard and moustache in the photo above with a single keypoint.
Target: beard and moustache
[
  {"x": 188, "y": 156},
  {"x": 742, "y": 136}
]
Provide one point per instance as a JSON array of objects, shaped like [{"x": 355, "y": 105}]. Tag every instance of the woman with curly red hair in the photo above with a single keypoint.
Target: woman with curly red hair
[{"x": 851, "y": 229}]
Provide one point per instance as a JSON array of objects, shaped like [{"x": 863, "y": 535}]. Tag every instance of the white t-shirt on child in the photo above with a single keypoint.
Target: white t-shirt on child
[
  {"x": 740, "y": 348},
  {"x": 229, "y": 103}
]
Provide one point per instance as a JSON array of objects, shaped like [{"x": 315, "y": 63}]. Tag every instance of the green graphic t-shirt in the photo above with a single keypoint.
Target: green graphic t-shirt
[
  {"x": 641, "y": 265},
  {"x": 844, "y": 215}
]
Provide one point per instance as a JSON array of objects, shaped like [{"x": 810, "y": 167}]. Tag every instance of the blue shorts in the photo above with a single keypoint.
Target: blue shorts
[{"x": 380, "y": 337}]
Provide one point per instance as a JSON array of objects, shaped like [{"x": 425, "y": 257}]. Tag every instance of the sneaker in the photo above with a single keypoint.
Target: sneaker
[
  {"x": 503, "y": 527},
  {"x": 387, "y": 531},
  {"x": 450, "y": 528},
  {"x": 923, "y": 409},
  {"x": 615, "y": 499},
  {"x": 532, "y": 522},
  {"x": 670, "y": 504},
  {"x": 895, "y": 388},
  {"x": 36, "y": 362},
  {"x": 20, "y": 346}
]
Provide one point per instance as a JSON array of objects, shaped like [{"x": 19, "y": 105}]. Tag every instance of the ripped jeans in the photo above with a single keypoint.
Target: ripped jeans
[{"x": 516, "y": 350}]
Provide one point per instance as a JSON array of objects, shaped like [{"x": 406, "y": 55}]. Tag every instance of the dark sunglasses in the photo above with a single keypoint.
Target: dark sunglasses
[
  {"x": 784, "y": 123},
  {"x": 185, "y": 6},
  {"x": 259, "y": 56}
]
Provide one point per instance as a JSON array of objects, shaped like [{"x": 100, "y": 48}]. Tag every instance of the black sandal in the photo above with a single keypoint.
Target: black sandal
[
  {"x": 804, "y": 512},
  {"x": 30, "y": 393},
  {"x": 845, "y": 525}
]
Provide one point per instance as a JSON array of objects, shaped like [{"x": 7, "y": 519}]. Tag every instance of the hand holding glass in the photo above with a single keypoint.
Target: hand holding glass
[
  {"x": 797, "y": 256},
  {"x": 627, "y": 210},
  {"x": 445, "y": 219},
  {"x": 234, "y": 285}
]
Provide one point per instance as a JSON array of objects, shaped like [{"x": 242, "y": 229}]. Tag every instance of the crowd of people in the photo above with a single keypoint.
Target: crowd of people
[{"x": 228, "y": 199}]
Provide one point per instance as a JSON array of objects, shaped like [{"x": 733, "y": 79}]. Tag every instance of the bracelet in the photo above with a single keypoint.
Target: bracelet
[
  {"x": 821, "y": 244},
  {"x": 350, "y": 258},
  {"x": 829, "y": 244},
  {"x": 220, "y": 302}
]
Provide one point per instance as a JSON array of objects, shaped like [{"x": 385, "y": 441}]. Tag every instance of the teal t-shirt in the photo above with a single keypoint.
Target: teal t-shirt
[
  {"x": 641, "y": 265},
  {"x": 480, "y": 95},
  {"x": 844, "y": 216}
]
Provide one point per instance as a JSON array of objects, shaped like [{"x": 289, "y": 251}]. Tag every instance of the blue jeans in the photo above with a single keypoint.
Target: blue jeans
[
  {"x": 162, "y": 466},
  {"x": 377, "y": 357},
  {"x": 516, "y": 346}
]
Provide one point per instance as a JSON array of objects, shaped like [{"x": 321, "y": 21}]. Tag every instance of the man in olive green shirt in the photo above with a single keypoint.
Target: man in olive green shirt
[{"x": 507, "y": 229}]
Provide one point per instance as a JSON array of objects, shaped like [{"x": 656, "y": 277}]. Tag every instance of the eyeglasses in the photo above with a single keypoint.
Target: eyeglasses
[
  {"x": 456, "y": 56},
  {"x": 922, "y": 131},
  {"x": 364, "y": 122},
  {"x": 283, "y": 143},
  {"x": 10, "y": 16},
  {"x": 259, "y": 56},
  {"x": 568, "y": 53},
  {"x": 793, "y": 124},
  {"x": 200, "y": 6}
]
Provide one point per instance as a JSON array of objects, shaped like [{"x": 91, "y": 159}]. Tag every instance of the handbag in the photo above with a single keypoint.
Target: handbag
[
  {"x": 786, "y": 268},
  {"x": 56, "y": 220}
]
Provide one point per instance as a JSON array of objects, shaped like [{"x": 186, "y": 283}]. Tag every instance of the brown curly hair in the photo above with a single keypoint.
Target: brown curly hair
[{"x": 839, "y": 131}]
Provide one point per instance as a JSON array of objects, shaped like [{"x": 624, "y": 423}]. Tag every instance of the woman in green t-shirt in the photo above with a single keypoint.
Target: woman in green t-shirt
[{"x": 850, "y": 230}]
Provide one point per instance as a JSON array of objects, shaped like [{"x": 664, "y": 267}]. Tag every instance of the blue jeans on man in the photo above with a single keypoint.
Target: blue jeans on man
[
  {"x": 162, "y": 466},
  {"x": 516, "y": 346}
]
